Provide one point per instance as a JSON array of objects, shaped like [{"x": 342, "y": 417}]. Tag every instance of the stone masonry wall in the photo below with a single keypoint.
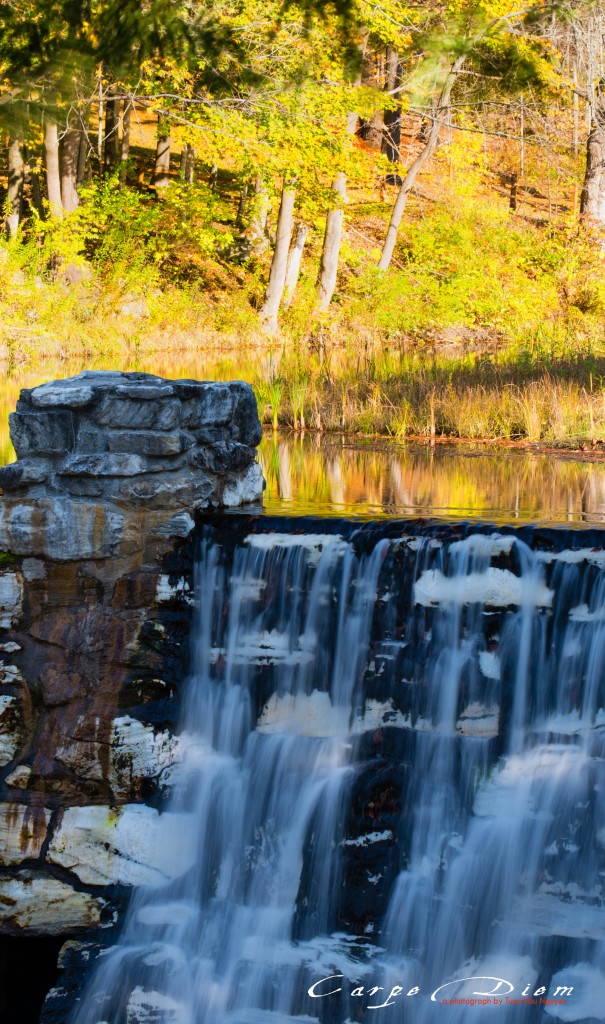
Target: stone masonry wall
[{"x": 96, "y": 563}]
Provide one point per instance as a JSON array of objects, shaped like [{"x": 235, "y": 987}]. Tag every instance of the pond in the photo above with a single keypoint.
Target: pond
[{"x": 328, "y": 474}]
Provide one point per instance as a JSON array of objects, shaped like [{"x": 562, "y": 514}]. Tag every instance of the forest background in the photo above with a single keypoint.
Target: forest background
[{"x": 388, "y": 216}]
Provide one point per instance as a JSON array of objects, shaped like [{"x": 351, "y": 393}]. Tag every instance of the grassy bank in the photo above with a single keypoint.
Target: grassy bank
[{"x": 490, "y": 325}]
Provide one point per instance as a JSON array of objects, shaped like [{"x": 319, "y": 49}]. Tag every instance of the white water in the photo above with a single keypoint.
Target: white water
[{"x": 502, "y": 861}]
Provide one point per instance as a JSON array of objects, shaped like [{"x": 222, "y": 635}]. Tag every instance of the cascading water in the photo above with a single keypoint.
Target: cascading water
[{"x": 393, "y": 780}]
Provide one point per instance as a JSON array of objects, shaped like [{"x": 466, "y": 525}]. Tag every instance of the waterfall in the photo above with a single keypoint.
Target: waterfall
[{"x": 394, "y": 783}]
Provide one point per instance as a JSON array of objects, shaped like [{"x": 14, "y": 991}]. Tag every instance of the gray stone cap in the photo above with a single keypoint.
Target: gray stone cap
[{"x": 135, "y": 438}]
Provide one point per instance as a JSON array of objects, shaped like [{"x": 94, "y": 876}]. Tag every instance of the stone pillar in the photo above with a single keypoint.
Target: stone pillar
[{"x": 96, "y": 577}]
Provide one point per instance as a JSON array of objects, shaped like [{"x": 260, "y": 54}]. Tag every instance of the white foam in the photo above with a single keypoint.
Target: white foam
[
  {"x": 313, "y": 544},
  {"x": 489, "y": 663},
  {"x": 484, "y": 544},
  {"x": 496, "y": 588},
  {"x": 595, "y": 556},
  {"x": 269, "y": 647},
  {"x": 314, "y": 715},
  {"x": 588, "y": 997},
  {"x": 369, "y": 839},
  {"x": 581, "y": 614}
]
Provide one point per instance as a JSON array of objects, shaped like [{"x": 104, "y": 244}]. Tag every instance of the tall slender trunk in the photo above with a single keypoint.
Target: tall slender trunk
[
  {"x": 293, "y": 266},
  {"x": 277, "y": 276},
  {"x": 36, "y": 193},
  {"x": 161, "y": 172},
  {"x": 391, "y": 141},
  {"x": 326, "y": 282},
  {"x": 430, "y": 146},
  {"x": 100, "y": 125},
  {"x": 83, "y": 154},
  {"x": 53, "y": 174},
  {"x": 15, "y": 186},
  {"x": 575, "y": 134},
  {"x": 125, "y": 144},
  {"x": 112, "y": 120},
  {"x": 188, "y": 164},
  {"x": 68, "y": 159},
  {"x": 592, "y": 202}
]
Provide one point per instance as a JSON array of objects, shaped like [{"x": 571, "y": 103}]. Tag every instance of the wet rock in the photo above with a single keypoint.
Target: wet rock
[
  {"x": 11, "y": 728},
  {"x": 159, "y": 414},
  {"x": 146, "y": 442},
  {"x": 20, "y": 776},
  {"x": 11, "y": 598},
  {"x": 139, "y": 755},
  {"x": 42, "y": 432},
  {"x": 58, "y": 527},
  {"x": 17, "y": 475},
  {"x": 73, "y": 393},
  {"x": 223, "y": 456},
  {"x": 166, "y": 490},
  {"x": 22, "y": 831},
  {"x": 35, "y": 903},
  {"x": 133, "y": 845},
  {"x": 241, "y": 490},
  {"x": 104, "y": 464},
  {"x": 76, "y": 962}
]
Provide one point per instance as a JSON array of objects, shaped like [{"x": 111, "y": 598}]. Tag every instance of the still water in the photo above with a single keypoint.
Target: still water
[{"x": 334, "y": 475}]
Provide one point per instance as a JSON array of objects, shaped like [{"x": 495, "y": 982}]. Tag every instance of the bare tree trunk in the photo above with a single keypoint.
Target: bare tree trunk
[
  {"x": 38, "y": 205},
  {"x": 15, "y": 186},
  {"x": 83, "y": 154},
  {"x": 391, "y": 141},
  {"x": 293, "y": 266},
  {"x": 440, "y": 114},
  {"x": 112, "y": 120},
  {"x": 100, "y": 125},
  {"x": 592, "y": 202},
  {"x": 68, "y": 158},
  {"x": 512, "y": 200},
  {"x": 576, "y": 112},
  {"x": 161, "y": 174},
  {"x": 326, "y": 282},
  {"x": 53, "y": 174},
  {"x": 189, "y": 164},
  {"x": 125, "y": 145},
  {"x": 277, "y": 276}
]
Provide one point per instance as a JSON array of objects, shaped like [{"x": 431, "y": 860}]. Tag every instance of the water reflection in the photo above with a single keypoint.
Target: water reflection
[{"x": 331, "y": 475}]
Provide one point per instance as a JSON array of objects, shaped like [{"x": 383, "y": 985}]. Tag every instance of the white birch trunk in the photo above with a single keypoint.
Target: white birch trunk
[
  {"x": 277, "y": 276},
  {"x": 293, "y": 265},
  {"x": 328, "y": 270},
  {"x": 15, "y": 186}
]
